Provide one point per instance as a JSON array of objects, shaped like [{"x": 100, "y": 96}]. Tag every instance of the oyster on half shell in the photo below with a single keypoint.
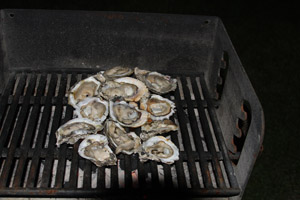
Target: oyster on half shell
[
  {"x": 95, "y": 148},
  {"x": 153, "y": 128},
  {"x": 128, "y": 115},
  {"x": 159, "y": 108},
  {"x": 160, "y": 149},
  {"x": 92, "y": 108},
  {"x": 156, "y": 82},
  {"x": 76, "y": 129},
  {"x": 85, "y": 88},
  {"x": 117, "y": 72},
  {"x": 130, "y": 89},
  {"x": 127, "y": 143}
]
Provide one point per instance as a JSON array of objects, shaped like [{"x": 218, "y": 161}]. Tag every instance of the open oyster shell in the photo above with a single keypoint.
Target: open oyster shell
[
  {"x": 100, "y": 77},
  {"x": 156, "y": 82},
  {"x": 160, "y": 149},
  {"x": 85, "y": 88},
  {"x": 130, "y": 89},
  {"x": 117, "y": 72},
  {"x": 127, "y": 143},
  {"x": 128, "y": 115},
  {"x": 76, "y": 129},
  {"x": 92, "y": 108},
  {"x": 153, "y": 128},
  {"x": 95, "y": 148},
  {"x": 159, "y": 108}
]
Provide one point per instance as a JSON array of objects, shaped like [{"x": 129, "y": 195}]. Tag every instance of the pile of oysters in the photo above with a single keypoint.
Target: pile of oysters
[{"x": 111, "y": 108}]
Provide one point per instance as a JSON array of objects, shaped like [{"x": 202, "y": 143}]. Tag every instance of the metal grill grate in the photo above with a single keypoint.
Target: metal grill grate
[{"x": 34, "y": 105}]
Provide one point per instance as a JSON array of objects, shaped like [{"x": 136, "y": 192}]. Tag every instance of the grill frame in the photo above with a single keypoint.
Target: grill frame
[{"x": 213, "y": 77}]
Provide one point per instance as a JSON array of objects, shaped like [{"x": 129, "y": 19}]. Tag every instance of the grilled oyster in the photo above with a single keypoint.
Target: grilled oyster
[
  {"x": 160, "y": 149},
  {"x": 159, "y": 108},
  {"x": 127, "y": 143},
  {"x": 92, "y": 108},
  {"x": 129, "y": 89},
  {"x": 156, "y": 82},
  {"x": 117, "y": 72},
  {"x": 153, "y": 128},
  {"x": 127, "y": 115},
  {"x": 100, "y": 77},
  {"x": 85, "y": 88},
  {"x": 95, "y": 148},
  {"x": 76, "y": 129}
]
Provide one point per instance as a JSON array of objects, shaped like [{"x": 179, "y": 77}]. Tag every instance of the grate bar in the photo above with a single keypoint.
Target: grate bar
[
  {"x": 4, "y": 98},
  {"x": 219, "y": 137},
  {"x": 63, "y": 151},
  {"x": 179, "y": 163},
  {"x": 74, "y": 167},
  {"x": 28, "y": 135},
  {"x": 196, "y": 134},
  {"x": 154, "y": 174},
  {"x": 101, "y": 178},
  {"x": 46, "y": 178},
  {"x": 8, "y": 125},
  {"x": 114, "y": 177},
  {"x": 208, "y": 135},
  {"x": 186, "y": 141},
  {"x": 21, "y": 120},
  {"x": 34, "y": 168}
]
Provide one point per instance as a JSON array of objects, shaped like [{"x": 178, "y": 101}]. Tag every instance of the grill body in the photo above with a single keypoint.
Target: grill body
[{"x": 43, "y": 53}]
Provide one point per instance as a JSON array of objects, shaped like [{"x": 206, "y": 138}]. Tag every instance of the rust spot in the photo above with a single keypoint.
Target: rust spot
[
  {"x": 244, "y": 112},
  {"x": 234, "y": 146},
  {"x": 50, "y": 192},
  {"x": 219, "y": 171}
]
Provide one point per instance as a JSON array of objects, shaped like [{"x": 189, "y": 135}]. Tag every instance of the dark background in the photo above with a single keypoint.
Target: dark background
[{"x": 266, "y": 37}]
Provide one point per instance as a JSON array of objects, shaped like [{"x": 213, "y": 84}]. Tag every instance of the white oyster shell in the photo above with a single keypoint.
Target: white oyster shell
[
  {"x": 85, "y": 88},
  {"x": 92, "y": 108},
  {"x": 76, "y": 129},
  {"x": 159, "y": 108},
  {"x": 127, "y": 143},
  {"x": 130, "y": 89},
  {"x": 156, "y": 82},
  {"x": 95, "y": 148},
  {"x": 153, "y": 128},
  {"x": 127, "y": 115},
  {"x": 160, "y": 149},
  {"x": 117, "y": 72}
]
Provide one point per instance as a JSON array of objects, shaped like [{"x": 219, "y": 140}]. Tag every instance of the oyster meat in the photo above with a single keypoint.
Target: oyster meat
[
  {"x": 156, "y": 82},
  {"x": 160, "y": 149},
  {"x": 159, "y": 108},
  {"x": 153, "y": 128},
  {"x": 92, "y": 108},
  {"x": 130, "y": 89},
  {"x": 85, "y": 88},
  {"x": 127, "y": 115},
  {"x": 76, "y": 129},
  {"x": 117, "y": 72},
  {"x": 127, "y": 143},
  {"x": 95, "y": 148}
]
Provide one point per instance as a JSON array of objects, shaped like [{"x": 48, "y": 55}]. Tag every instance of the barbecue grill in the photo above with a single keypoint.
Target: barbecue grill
[{"x": 43, "y": 53}]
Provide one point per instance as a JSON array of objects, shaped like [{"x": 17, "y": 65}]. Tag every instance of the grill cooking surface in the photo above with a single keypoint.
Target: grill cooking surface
[{"x": 34, "y": 105}]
